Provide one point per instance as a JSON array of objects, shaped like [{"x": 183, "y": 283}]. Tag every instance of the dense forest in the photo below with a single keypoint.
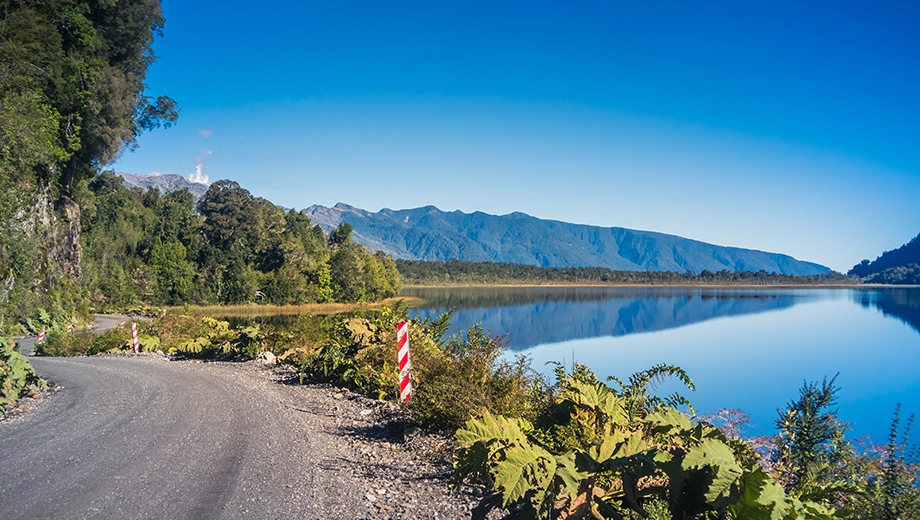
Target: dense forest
[
  {"x": 898, "y": 266},
  {"x": 229, "y": 248},
  {"x": 72, "y": 98},
  {"x": 456, "y": 272}
]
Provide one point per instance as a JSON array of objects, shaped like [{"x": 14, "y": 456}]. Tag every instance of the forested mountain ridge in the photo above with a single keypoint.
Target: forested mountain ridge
[
  {"x": 428, "y": 233},
  {"x": 898, "y": 266}
]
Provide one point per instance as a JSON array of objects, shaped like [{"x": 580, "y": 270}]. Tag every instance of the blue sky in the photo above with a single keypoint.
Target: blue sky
[{"x": 778, "y": 126}]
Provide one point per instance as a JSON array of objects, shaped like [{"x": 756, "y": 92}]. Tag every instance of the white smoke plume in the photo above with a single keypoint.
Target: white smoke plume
[{"x": 199, "y": 175}]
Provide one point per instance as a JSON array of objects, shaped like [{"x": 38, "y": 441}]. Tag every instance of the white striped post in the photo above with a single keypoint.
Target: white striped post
[
  {"x": 405, "y": 366},
  {"x": 137, "y": 345},
  {"x": 122, "y": 324},
  {"x": 41, "y": 337},
  {"x": 70, "y": 327}
]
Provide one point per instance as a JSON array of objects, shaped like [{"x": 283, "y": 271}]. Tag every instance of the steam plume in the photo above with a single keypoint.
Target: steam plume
[{"x": 199, "y": 175}]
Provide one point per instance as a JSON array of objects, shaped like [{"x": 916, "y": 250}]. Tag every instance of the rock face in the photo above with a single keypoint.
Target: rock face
[
  {"x": 54, "y": 224},
  {"x": 39, "y": 250},
  {"x": 163, "y": 182},
  {"x": 431, "y": 234}
]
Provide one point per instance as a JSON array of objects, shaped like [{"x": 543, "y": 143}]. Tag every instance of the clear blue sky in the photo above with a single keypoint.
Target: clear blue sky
[{"x": 791, "y": 127}]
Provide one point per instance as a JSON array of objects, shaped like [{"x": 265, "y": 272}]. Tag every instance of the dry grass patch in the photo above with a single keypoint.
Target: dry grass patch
[{"x": 316, "y": 309}]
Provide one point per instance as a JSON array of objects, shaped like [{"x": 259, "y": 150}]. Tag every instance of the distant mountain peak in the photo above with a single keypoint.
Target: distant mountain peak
[
  {"x": 165, "y": 182},
  {"x": 427, "y": 233}
]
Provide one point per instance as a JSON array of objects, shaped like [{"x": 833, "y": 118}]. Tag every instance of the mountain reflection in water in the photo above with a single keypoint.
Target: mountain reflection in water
[
  {"x": 900, "y": 303},
  {"x": 750, "y": 359},
  {"x": 533, "y": 316}
]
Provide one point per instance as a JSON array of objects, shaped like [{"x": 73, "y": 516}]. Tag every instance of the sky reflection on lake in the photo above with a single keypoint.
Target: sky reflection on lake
[{"x": 746, "y": 349}]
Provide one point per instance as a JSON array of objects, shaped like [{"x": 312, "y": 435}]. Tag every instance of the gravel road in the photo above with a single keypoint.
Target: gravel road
[{"x": 145, "y": 437}]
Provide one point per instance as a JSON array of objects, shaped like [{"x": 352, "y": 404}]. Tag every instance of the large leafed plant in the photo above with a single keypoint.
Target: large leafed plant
[{"x": 606, "y": 453}]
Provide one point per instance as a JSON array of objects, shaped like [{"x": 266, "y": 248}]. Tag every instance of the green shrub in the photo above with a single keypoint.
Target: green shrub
[
  {"x": 17, "y": 377},
  {"x": 62, "y": 343},
  {"x": 468, "y": 376},
  {"x": 87, "y": 343},
  {"x": 113, "y": 341},
  {"x": 605, "y": 457},
  {"x": 453, "y": 379},
  {"x": 203, "y": 337},
  {"x": 296, "y": 340},
  {"x": 358, "y": 351}
]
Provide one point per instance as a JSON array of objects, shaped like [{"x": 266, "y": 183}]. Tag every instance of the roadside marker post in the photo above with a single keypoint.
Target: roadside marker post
[
  {"x": 41, "y": 337},
  {"x": 122, "y": 324},
  {"x": 137, "y": 345},
  {"x": 70, "y": 327},
  {"x": 405, "y": 366}
]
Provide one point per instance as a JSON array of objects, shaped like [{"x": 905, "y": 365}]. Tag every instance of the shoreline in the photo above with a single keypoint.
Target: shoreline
[{"x": 662, "y": 286}]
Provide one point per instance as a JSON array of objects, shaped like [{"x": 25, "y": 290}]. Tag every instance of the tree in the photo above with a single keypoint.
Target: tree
[
  {"x": 173, "y": 273},
  {"x": 176, "y": 218},
  {"x": 231, "y": 218},
  {"x": 811, "y": 438},
  {"x": 80, "y": 66},
  {"x": 341, "y": 235},
  {"x": 346, "y": 268}
]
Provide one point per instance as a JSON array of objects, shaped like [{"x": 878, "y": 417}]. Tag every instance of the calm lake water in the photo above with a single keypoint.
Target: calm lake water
[{"x": 749, "y": 349}]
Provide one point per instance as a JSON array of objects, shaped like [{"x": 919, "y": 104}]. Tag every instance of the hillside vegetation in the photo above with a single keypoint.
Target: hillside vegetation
[
  {"x": 229, "y": 248},
  {"x": 898, "y": 266},
  {"x": 72, "y": 97},
  {"x": 431, "y": 234}
]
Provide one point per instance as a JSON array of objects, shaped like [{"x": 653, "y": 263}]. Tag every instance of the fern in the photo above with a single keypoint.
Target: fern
[
  {"x": 638, "y": 391},
  {"x": 629, "y": 451}
]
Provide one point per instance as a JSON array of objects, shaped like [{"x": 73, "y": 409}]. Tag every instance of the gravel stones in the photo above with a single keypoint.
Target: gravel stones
[{"x": 401, "y": 471}]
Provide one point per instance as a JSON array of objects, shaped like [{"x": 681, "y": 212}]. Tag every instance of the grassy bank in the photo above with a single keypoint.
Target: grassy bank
[{"x": 317, "y": 309}]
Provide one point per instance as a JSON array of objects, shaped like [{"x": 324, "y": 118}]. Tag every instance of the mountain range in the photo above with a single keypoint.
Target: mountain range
[
  {"x": 428, "y": 233},
  {"x": 165, "y": 182}
]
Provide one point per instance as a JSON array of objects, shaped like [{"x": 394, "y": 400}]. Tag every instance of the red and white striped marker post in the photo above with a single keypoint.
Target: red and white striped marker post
[
  {"x": 405, "y": 366},
  {"x": 137, "y": 345},
  {"x": 70, "y": 327},
  {"x": 122, "y": 324},
  {"x": 41, "y": 337}
]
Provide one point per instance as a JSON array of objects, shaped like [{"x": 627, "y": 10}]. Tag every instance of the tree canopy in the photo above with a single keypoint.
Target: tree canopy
[
  {"x": 72, "y": 77},
  {"x": 147, "y": 247}
]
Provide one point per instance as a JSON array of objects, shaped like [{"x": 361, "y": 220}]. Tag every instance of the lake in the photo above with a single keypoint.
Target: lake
[{"x": 748, "y": 349}]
